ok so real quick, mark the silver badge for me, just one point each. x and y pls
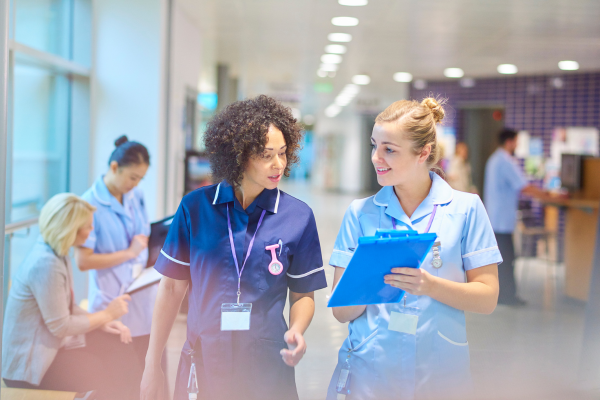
(436, 262)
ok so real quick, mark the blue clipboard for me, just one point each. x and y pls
(375, 256)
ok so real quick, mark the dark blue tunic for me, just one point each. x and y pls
(240, 364)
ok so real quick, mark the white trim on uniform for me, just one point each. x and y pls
(480, 251)
(277, 202)
(452, 341)
(216, 194)
(98, 198)
(306, 274)
(346, 253)
(378, 203)
(173, 259)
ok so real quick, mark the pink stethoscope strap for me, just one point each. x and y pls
(275, 267)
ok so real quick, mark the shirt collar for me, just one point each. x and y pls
(267, 200)
(104, 197)
(440, 194)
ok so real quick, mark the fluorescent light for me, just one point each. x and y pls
(353, 3)
(507, 69)
(350, 88)
(453, 73)
(420, 84)
(322, 73)
(339, 37)
(335, 49)
(328, 67)
(568, 65)
(403, 77)
(331, 59)
(332, 110)
(361, 79)
(344, 21)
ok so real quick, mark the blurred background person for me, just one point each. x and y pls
(49, 342)
(459, 170)
(504, 183)
(116, 251)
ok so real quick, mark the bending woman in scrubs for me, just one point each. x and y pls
(116, 250)
(417, 348)
(238, 246)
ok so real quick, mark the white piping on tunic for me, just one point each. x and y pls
(173, 259)
(98, 198)
(306, 274)
(452, 341)
(480, 251)
(217, 194)
(277, 202)
(346, 253)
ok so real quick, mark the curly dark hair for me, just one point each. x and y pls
(240, 131)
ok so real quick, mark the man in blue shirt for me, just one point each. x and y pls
(504, 182)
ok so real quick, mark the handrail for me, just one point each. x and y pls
(17, 226)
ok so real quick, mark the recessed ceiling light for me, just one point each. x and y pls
(420, 84)
(403, 77)
(361, 79)
(333, 110)
(507, 69)
(353, 3)
(339, 37)
(331, 59)
(344, 21)
(328, 67)
(322, 73)
(453, 73)
(568, 65)
(335, 49)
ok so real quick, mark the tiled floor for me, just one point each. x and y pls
(526, 353)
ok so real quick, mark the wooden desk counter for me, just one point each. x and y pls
(27, 394)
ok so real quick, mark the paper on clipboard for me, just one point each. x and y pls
(375, 256)
(148, 277)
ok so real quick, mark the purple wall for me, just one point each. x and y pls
(531, 103)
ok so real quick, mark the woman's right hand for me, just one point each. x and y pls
(152, 387)
(119, 306)
(138, 244)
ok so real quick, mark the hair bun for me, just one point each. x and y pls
(121, 140)
(436, 108)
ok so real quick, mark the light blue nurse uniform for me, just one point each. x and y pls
(387, 364)
(115, 224)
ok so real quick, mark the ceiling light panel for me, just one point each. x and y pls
(568, 65)
(507, 69)
(361, 79)
(335, 49)
(333, 110)
(344, 21)
(353, 3)
(453, 73)
(339, 37)
(331, 59)
(403, 77)
(328, 67)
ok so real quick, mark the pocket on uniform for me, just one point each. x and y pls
(274, 379)
(453, 370)
(267, 279)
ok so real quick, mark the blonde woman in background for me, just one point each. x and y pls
(459, 170)
(49, 342)
(418, 347)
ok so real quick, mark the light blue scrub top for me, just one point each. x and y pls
(503, 184)
(115, 224)
(387, 364)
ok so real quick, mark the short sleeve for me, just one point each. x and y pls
(174, 258)
(306, 273)
(90, 243)
(347, 239)
(514, 176)
(479, 247)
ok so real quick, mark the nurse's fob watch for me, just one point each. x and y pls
(275, 267)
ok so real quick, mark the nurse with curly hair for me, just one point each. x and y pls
(238, 246)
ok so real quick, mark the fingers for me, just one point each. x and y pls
(126, 297)
(407, 271)
(112, 330)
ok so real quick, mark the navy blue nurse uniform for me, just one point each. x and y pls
(240, 364)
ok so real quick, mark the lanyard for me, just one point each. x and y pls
(237, 267)
(428, 224)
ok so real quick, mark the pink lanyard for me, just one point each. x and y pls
(237, 267)
(428, 225)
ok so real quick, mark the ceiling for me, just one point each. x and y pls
(279, 42)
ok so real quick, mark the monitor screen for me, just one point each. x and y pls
(570, 171)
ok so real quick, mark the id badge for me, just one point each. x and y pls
(235, 317)
(405, 321)
(136, 270)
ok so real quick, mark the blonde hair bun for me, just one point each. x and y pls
(436, 107)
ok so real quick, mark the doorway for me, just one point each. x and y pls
(480, 127)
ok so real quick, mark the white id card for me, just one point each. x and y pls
(235, 317)
(403, 323)
(136, 270)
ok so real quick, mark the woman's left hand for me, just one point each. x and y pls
(415, 281)
(117, 328)
(296, 348)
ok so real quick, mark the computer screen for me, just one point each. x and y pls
(570, 171)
